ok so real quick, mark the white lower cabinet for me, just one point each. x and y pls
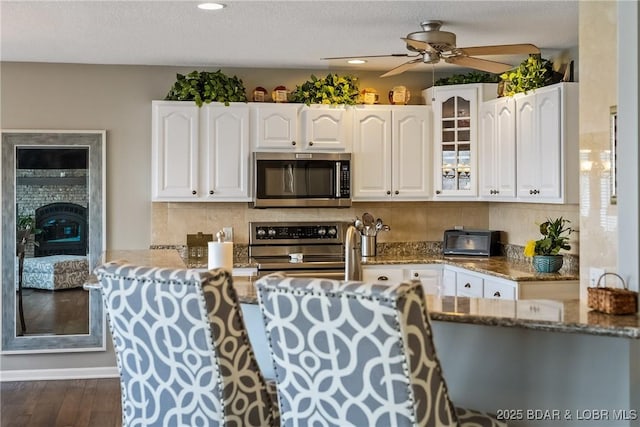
(383, 274)
(473, 284)
(449, 280)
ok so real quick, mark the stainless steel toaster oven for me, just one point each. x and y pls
(471, 242)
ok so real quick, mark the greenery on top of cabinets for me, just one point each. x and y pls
(206, 87)
(532, 73)
(471, 77)
(333, 89)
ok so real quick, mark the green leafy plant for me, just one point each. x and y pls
(471, 77)
(332, 89)
(25, 228)
(555, 237)
(532, 73)
(205, 87)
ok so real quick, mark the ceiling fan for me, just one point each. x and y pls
(432, 45)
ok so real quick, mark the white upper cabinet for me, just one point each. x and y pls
(391, 153)
(175, 150)
(497, 150)
(200, 154)
(325, 128)
(547, 144)
(274, 126)
(225, 139)
(296, 127)
(455, 111)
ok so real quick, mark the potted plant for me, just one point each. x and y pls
(545, 251)
(470, 77)
(532, 73)
(332, 89)
(206, 87)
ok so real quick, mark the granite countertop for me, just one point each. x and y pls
(570, 316)
(543, 315)
(498, 266)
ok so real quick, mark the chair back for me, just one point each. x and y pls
(182, 349)
(353, 353)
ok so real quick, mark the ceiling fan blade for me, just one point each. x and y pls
(504, 49)
(402, 68)
(372, 56)
(419, 45)
(479, 64)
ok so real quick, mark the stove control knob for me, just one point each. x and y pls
(260, 232)
(322, 231)
(271, 232)
(332, 231)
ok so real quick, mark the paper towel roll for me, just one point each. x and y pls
(221, 255)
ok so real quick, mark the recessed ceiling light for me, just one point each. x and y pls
(211, 6)
(356, 61)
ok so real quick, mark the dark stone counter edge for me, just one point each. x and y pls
(538, 325)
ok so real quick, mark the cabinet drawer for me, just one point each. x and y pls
(382, 275)
(499, 290)
(468, 285)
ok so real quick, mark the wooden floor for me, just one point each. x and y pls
(62, 312)
(61, 403)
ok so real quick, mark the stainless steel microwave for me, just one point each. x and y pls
(302, 180)
(471, 242)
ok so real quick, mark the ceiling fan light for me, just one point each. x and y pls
(211, 6)
(356, 61)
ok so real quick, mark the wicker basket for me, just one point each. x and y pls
(612, 300)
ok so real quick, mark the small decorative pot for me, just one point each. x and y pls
(547, 263)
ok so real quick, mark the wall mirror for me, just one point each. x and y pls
(53, 236)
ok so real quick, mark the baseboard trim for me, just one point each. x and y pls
(59, 374)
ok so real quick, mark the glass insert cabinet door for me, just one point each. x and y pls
(455, 142)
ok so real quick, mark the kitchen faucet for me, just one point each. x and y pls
(352, 267)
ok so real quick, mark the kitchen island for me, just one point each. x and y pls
(536, 362)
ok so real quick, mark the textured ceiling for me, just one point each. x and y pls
(269, 34)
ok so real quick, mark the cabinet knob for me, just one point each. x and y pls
(194, 192)
(310, 143)
(388, 192)
(397, 192)
(438, 191)
(383, 278)
(210, 191)
(497, 294)
(293, 143)
(467, 285)
(415, 274)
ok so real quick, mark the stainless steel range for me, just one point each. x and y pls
(310, 249)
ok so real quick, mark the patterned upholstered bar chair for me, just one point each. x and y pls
(182, 349)
(356, 354)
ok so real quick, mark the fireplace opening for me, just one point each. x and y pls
(63, 229)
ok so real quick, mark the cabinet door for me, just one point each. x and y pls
(411, 153)
(539, 139)
(225, 142)
(430, 277)
(382, 275)
(372, 155)
(448, 282)
(325, 128)
(455, 128)
(275, 126)
(174, 150)
(497, 150)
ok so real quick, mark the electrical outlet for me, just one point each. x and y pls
(228, 234)
(594, 275)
